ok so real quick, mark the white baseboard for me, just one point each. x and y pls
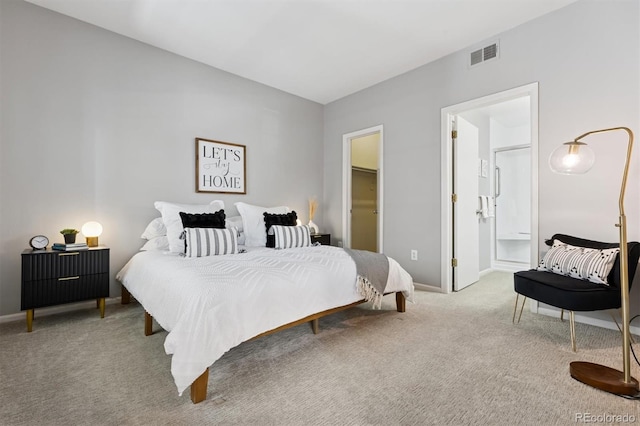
(583, 319)
(486, 271)
(51, 310)
(427, 287)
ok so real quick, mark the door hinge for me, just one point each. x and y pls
(454, 198)
(454, 262)
(454, 134)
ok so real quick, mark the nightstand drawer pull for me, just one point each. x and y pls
(69, 254)
(68, 278)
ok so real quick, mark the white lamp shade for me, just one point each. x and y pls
(91, 229)
(572, 158)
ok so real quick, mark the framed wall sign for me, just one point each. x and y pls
(220, 167)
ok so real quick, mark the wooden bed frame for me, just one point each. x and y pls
(199, 385)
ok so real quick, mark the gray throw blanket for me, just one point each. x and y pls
(372, 270)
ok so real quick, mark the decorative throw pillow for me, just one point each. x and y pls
(579, 262)
(203, 220)
(285, 219)
(291, 236)
(154, 229)
(253, 222)
(171, 218)
(210, 241)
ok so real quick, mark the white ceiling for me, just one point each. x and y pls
(321, 50)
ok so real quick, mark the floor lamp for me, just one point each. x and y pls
(573, 158)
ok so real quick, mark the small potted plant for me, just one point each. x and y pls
(69, 235)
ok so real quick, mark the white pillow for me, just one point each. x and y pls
(210, 241)
(156, 244)
(253, 222)
(236, 222)
(171, 218)
(291, 236)
(232, 221)
(154, 229)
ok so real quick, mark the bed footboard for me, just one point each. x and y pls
(199, 385)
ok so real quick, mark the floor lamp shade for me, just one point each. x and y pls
(575, 158)
(572, 158)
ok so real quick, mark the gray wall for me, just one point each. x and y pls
(586, 60)
(96, 126)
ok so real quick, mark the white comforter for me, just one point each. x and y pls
(211, 304)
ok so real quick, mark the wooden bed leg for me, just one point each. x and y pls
(125, 296)
(148, 324)
(314, 325)
(400, 302)
(199, 387)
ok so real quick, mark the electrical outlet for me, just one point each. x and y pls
(414, 254)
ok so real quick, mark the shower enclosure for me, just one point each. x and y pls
(512, 196)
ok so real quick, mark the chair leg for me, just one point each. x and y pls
(562, 315)
(572, 326)
(515, 308)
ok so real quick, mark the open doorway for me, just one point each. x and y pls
(503, 214)
(362, 189)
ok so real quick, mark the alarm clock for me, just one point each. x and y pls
(39, 242)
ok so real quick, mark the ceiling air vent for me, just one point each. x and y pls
(476, 57)
(484, 54)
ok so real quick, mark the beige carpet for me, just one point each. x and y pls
(450, 359)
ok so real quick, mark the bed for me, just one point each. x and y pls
(211, 304)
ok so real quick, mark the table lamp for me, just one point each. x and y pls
(91, 231)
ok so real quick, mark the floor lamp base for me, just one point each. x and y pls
(604, 378)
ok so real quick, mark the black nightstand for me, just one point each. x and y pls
(52, 277)
(324, 239)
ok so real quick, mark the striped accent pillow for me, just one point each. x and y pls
(210, 241)
(579, 262)
(291, 236)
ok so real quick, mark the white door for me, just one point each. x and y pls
(465, 219)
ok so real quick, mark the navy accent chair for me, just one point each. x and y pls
(573, 294)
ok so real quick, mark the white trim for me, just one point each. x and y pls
(446, 187)
(346, 183)
(486, 271)
(583, 319)
(427, 287)
(52, 310)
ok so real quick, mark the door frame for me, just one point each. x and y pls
(346, 183)
(446, 173)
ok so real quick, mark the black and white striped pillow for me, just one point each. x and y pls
(291, 236)
(210, 241)
(579, 262)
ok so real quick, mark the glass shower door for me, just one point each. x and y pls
(513, 204)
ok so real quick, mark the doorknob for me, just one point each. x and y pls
(375, 212)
